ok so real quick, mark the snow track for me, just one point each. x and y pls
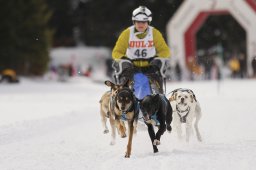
(35, 128)
(54, 126)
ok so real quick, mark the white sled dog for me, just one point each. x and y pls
(186, 109)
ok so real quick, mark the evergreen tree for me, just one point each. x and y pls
(25, 37)
(62, 21)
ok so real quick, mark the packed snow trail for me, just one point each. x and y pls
(56, 126)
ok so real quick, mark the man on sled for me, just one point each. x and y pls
(141, 53)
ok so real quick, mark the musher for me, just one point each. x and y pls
(141, 48)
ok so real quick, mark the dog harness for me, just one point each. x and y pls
(183, 119)
(154, 116)
(155, 119)
(136, 111)
(123, 115)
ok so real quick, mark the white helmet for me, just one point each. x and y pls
(142, 13)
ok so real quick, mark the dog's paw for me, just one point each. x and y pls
(123, 135)
(199, 138)
(156, 142)
(127, 155)
(105, 131)
(169, 129)
(112, 143)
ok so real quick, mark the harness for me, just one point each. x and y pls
(155, 119)
(124, 113)
(183, 119)
(154, 116)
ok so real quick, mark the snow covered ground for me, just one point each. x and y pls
(56, 126)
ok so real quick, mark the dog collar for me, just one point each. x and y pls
(123, 115)
(128, 110)
(154, 117)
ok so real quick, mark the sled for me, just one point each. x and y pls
(141, 83)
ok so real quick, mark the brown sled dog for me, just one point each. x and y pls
(123, 107)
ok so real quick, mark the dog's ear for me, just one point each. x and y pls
(171, 98)
(194, 97)
(156, 98)
(191, 98)
(109, 83)
(193, 94)
(175, 96)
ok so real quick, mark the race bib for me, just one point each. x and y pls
(141, 48)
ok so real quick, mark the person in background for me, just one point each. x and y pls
(254, 66)
(9, 75)
(88, 72)
(242, 63)
(178, 71)
(141, 44)
(234, 66)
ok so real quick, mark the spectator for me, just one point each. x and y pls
(88, 72)
(178, 71)
(234, 67)
(242, 63)
(254, 66)
(9, 76)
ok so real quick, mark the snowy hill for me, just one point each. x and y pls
(56, 126)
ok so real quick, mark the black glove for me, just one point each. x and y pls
(155, 63)
(152, 59)
(125, 58)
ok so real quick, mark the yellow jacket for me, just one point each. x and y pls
(234, 64)
(162, 50)
(9, 72)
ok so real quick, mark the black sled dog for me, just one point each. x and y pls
(156, 110)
